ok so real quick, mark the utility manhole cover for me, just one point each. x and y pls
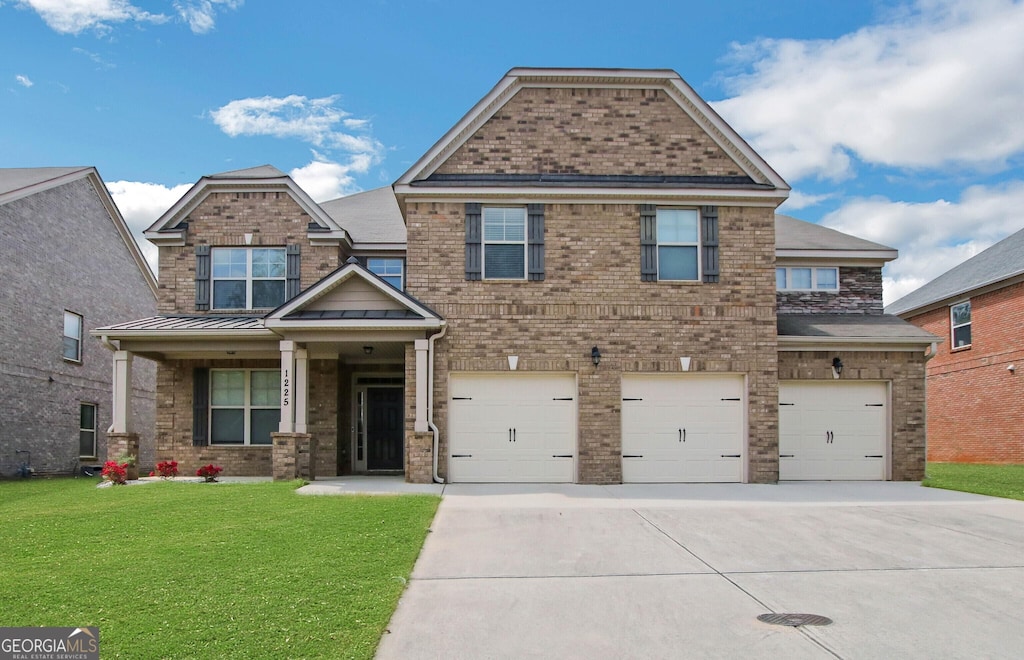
(795, 619)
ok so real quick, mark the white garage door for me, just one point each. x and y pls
(832, 431)
(680, 427)
(512, 427)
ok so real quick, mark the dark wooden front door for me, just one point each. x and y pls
(384, 428)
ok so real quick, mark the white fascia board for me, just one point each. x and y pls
(789, 343)
(123, 230)
(876, 255)
(524, 194)
(40, 186)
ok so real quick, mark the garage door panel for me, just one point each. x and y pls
(682, 428)
(832, 430)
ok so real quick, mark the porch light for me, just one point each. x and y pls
(837, 367)
(595, 355)
(368, 350)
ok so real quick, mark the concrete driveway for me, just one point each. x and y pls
(683, 571)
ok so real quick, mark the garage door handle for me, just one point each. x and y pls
(462, 398)
(786, 404)
(874, 456)
(786, 455)
(730, 455)
(875, 405)
(462, 455)
(735, 399)
(561, 398)
(561, 456)
(626, 398)
(632, 455)
(682, 435)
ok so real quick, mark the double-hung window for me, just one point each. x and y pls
(87, 430)
(678, 244)
(960, 324)
(805, 278)
(71, 348)
(504, 242)
(388, 269)
(248, 278)
(245, 406)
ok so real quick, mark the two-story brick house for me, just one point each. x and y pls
(574, 284)
(975, 395)
(68, 263)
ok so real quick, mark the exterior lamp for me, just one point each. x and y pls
(595, 355)
(837, 367)
(368, 350)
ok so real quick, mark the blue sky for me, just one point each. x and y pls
(898, 121)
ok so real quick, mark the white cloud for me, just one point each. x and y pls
(76, 16)
(201, 14)
(324, 179)
(937, 85)
(142, 204)
(798, 200)
(23, 80)
(932, 237)
(96, 58)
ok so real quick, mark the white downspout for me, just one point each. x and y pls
(430, 401)
(113, 378)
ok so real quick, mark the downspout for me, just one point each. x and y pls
(113, 348)
(430, 401)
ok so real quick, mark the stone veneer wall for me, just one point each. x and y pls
(174, 420)
(905, 371)
(592, 295)
(860, 292)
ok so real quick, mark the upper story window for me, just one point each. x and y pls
(245, 406)
(504, 243)
(248, 278)
(960, 324)
(72, 343)
(678, 244)
(804, 278)
(388, 269)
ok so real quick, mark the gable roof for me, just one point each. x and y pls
(17, 183)
(995, 267)
(763, 181)
(801, 239)
(169, 230)
(372, 218)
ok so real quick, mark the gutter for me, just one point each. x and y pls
(430, 402)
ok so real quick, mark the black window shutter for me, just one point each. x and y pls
(293, 277)
(709, 242)
(535, 241)
(200, 406)
(474, 264)
(648, 243)
(202, 278)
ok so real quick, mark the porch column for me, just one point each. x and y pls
(287, 387)
(122, 386)
(421, 346)
(301, 389)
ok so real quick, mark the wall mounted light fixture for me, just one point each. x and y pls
(837, 367)
(595, 355)
(368, 350)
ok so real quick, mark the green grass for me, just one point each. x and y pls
(177, 570)
(997, 480)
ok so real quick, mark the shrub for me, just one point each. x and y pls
(209, 472)
(166, 469)
(115, 473)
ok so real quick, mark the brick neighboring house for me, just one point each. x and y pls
(69, 264)
(575, 284)
(975, 391)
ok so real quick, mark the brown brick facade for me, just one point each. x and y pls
(974, 401)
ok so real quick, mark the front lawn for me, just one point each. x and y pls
(997, 480)
(207, 570)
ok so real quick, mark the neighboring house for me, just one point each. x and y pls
(69, 264)
(975, 392)
(575, 284)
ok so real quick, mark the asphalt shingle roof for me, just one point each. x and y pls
(793, 234)
(369, 217)
(999, 262)
(850, 326)
(16, 178)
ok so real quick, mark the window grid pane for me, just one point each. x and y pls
(229, 262)
(71, 344)
(504, 224)
(677, 263)
(505, 262)
(780, 278)
(677, 226)
(227, 388)
(265, 388)
(825, 278)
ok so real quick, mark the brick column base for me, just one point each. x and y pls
(419, 456)
(126, 444)
(293, 456)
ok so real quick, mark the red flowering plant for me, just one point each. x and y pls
(114, 472)
(209, 472)
(166, 469)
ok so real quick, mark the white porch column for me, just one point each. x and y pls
(301, 389)
(122, 403)
(421, 346)
(287, 387)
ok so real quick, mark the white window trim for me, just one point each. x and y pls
(93, 430)
(246, 408)
(484, 243)
(401, 273)
(81, 331)
(248, 279)
(695, 244)
(953, 327)
(814, 278)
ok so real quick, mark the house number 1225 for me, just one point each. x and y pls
(285, 388)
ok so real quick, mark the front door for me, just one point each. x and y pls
(384, 428)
